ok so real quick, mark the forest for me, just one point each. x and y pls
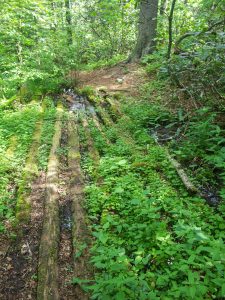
(112, 149)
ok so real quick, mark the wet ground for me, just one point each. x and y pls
(77, 103)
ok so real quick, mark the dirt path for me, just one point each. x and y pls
(123, 78)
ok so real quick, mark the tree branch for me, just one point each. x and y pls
(188, 34)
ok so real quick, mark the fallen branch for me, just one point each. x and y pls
(182, 174)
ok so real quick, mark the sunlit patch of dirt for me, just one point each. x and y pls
(124, 78)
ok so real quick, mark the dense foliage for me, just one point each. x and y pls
(153, 240)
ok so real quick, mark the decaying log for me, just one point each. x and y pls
(79, 226)
(115, 107)
(30, 170)
(97, 124)
(48, 251)
(94, 155)
(77, 178)
(104, 116)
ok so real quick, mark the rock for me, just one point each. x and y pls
(24, 249)
(9, 267)
(120, 80)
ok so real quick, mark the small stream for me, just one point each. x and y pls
(78, 103)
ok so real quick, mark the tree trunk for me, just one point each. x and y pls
(171, 29)
(69, 22)
(147, 29)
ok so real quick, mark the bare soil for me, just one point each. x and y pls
(123, 78)
(18, 264)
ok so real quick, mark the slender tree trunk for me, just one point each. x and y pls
(69, 22)
(122, 26)
(147, 29)
(171, 29)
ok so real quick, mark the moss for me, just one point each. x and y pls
(114, 108)
(23, 210)
(87, 91)
(12, 146)
(104, 116)
(30, 170)
(94, 155)
(8, 102)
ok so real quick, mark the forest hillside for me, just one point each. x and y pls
(112, 149)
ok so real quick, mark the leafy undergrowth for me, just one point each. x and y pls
(17, 127)
(152, 239)
(197, 139)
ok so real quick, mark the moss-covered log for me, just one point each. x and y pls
(79, 228)
(104, 116)
(48, 251)
(114, 107)
(77, 178)
(29, 172)
(99, 127)
(93, 153)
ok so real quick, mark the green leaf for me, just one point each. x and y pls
(120, 296)
(119, 190)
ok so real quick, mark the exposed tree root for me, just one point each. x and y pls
(48, 251)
